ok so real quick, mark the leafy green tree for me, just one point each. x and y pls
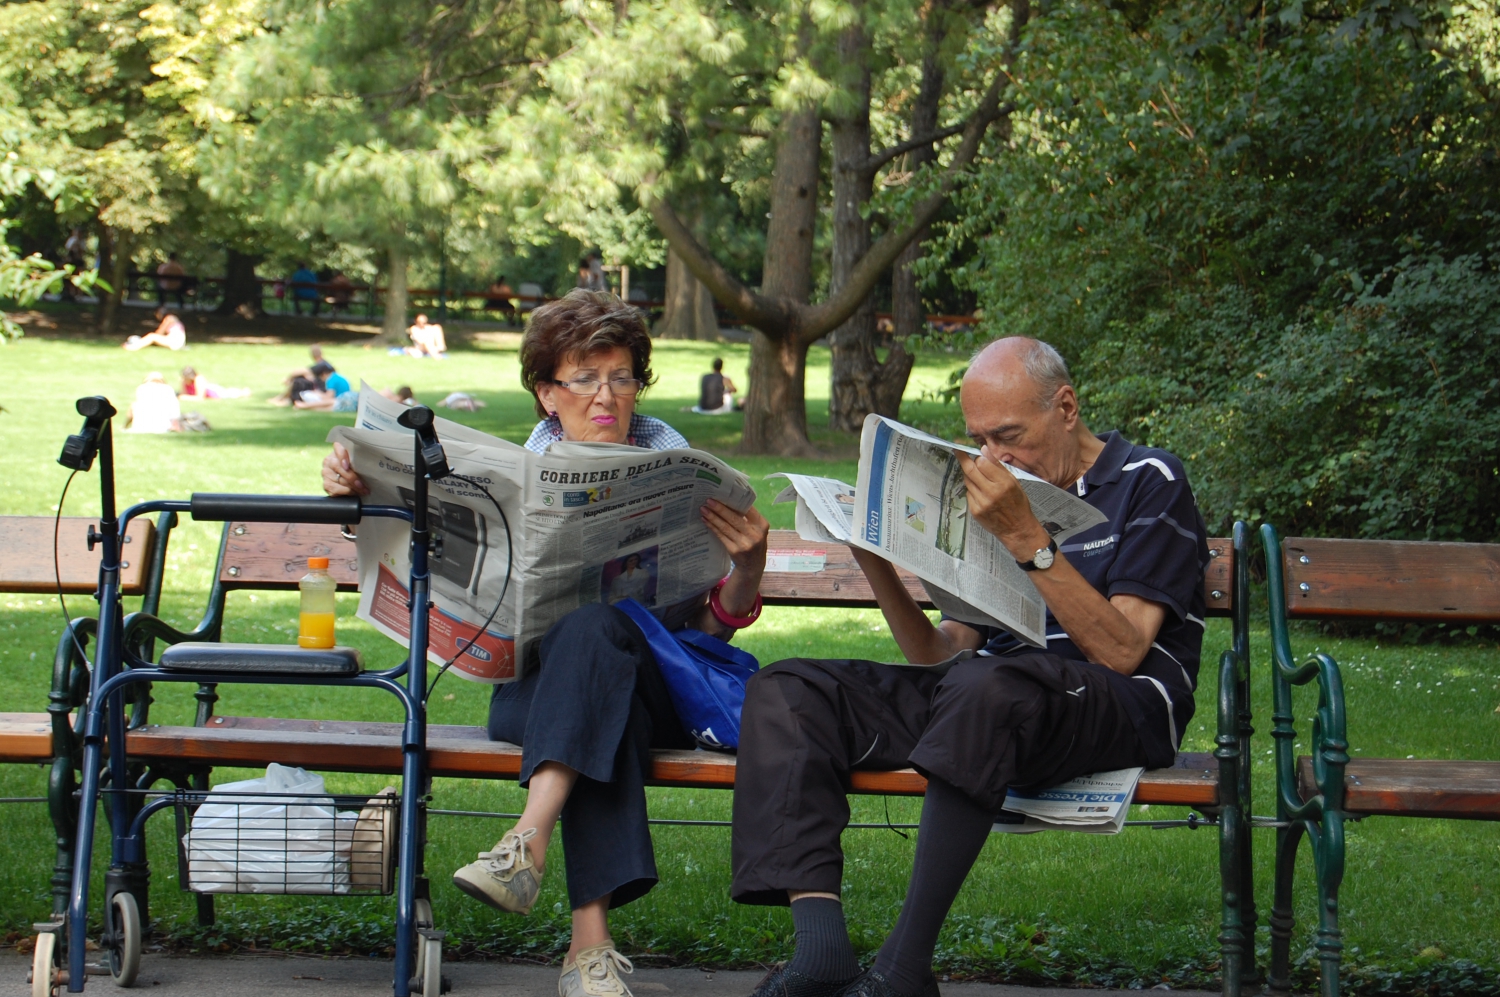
(76, 91)
(656, 105)
(1266, 241)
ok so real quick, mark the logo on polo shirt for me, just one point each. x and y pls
(1094, 546)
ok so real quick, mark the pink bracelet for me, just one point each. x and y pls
(722, 615)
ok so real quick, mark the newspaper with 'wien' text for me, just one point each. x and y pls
(910, 506)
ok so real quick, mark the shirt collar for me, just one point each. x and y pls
(1107, 468)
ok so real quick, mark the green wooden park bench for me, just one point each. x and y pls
(270, 556)
(1378, 580)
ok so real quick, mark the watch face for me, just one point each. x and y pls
(1044, 558)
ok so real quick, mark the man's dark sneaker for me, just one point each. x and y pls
(872, 984)
(784, 982)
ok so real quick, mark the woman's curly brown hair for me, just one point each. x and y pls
(579, 324)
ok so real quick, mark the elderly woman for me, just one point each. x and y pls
(593, 702)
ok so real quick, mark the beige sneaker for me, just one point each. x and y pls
(595, 972)
(505, 878)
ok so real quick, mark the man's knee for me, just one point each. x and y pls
(986, 687)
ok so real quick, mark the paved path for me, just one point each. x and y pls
(244, 976)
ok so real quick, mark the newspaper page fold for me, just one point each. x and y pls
(578, 524)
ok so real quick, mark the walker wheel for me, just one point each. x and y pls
(422, 918)
(432, 968)
(44, 965)
(123, 939)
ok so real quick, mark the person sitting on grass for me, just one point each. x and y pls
(715, 392)
(170, 332)
(427, 339)
(305, 379)
(1112, 689)
(195, 385)
(334, 396)
(593, 699)
(155, 409)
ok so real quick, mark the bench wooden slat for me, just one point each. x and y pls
(26, 555)
(1392, 579)
(1414, 787)
(25, 738)
(274, 555)
(467, 752)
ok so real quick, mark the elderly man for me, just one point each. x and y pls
(1112, 689)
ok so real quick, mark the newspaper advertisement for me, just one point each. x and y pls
(1095, 803)
(911, 507)
(536, 534)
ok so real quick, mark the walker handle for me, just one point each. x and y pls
(221, 507)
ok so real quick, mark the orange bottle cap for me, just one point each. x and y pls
(317, 562)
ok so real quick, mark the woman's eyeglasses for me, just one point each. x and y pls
(589, 386)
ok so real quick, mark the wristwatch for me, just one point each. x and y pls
(1043, 559)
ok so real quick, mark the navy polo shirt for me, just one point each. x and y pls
(1154, 546)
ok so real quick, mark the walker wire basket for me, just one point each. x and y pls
(324, 845)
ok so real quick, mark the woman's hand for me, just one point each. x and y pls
(339, 478)
(744, 535)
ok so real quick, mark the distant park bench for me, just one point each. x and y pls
(1370, 580)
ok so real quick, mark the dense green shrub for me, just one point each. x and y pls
(1266, 241)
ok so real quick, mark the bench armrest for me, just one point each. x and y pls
(1330, 739)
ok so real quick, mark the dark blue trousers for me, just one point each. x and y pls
(594, 700)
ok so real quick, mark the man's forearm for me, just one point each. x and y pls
(1092, 622)
(919, 640)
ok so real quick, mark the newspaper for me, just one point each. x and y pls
(582, 523)
(1095, 804)
(911, 507)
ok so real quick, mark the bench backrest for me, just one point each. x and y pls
(798, 573)
(26, 555)
(1391, 580)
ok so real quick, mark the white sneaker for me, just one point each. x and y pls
(595, 972)
(505, 878)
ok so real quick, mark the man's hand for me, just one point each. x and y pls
(999, 505)
(339, 477)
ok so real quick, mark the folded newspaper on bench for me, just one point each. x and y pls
(910, 506)
(1094, 803)
(582, 523)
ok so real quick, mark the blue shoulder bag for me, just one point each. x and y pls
(705, 676)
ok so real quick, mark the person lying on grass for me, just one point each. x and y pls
(1113, 688)
(593, 700)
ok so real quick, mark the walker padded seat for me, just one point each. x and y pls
(261, 659)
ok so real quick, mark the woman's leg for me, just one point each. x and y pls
(551, 784)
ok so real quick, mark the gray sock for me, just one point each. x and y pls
(824, 952)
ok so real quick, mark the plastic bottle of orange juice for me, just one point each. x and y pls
(316, 625)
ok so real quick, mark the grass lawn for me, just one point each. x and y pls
(1419, 896)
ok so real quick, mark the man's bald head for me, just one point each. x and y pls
(1017, 359)
(1019, 404)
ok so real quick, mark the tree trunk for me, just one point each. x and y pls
(114, 249)
(853, 183)
(396, 302)
(861, 383)
(241, 287)
(776, 402)
(689, 311)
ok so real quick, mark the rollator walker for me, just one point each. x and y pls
(61, 945)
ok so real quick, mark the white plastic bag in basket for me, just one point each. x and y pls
(272, 844)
